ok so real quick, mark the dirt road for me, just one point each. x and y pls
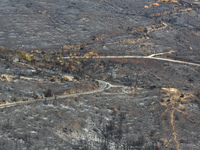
(103, 86)
(136, 57)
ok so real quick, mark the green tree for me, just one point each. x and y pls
(60, 58)
(4, 53)
(22, 55)
(45, 59)
(53, 60)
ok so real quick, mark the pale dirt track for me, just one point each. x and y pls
(104, 85)
(138, 57)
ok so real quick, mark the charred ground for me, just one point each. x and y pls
(152, 104)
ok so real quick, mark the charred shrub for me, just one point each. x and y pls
(48, 93)
(15, 99)
(35, 96)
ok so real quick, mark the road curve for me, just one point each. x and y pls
(103, 86)
(144, 57)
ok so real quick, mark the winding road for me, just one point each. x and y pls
(103, 85)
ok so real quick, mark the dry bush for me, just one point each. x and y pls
(64, 79)
(172, 1)
(25, 99)
(15, 99)
(53, 79)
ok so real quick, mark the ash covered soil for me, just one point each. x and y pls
(152, 104)
(118, 118)
(108, 27)
(19, 82)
